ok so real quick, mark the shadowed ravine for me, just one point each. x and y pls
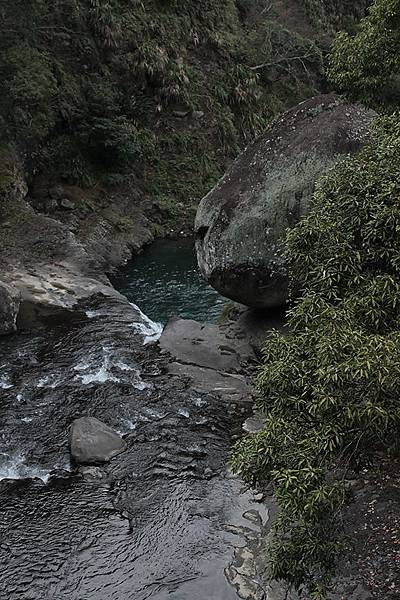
(162, 520)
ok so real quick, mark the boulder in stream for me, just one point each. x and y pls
(93, 442)
(241, 224)
(9, 307)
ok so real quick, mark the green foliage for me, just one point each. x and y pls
(92, 87)
(8, 172)
(239, 90)
(30, 89)
(286, 63)
(226, 313)
(367, 65)
(103, 17)
(69, 158)
(329, 388)
(119, 141)
(334, 14)
(169, 176)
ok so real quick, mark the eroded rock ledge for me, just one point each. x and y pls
(51, 264)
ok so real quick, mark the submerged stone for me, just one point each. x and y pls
(93, 442)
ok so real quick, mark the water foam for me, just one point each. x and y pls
(48, 381)
(184, 413)
(27, 419)
(150, 330)
(92, 314)
(15, 467)
(5, 383)
(93, 372)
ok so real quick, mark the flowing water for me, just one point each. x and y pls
(162, 519)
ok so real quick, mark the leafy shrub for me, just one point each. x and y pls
(335, 14)
(118, 140)
(70, 159)
(30, 88)
(285, 62)
(364, 64)
(329, 388)
(103, 17)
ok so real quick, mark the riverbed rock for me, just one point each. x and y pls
(216, 358)
(9, 307)
(205, 345)
(93, 442)
(241, 224)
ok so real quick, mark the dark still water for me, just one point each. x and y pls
(165, 281)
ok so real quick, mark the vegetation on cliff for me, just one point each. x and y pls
(329, 388)
(156, 95)
(367, 65)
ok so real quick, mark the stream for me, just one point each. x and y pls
(162, 520)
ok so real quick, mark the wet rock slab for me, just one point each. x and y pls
(214, 362)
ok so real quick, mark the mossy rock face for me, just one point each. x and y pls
(241, 224)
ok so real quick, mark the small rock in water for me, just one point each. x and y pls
(208, 473)
(181, 113)
(244, 562)
(253, 424)
(253, 516)
(93, 442)
(246, 587)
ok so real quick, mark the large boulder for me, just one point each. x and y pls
(9, 307)
(93, 442)
(240, 225)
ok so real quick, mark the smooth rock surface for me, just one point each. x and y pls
(219, 359)
(54, 291)
(93, 442)
(205, 345)
(213, 357)
(241, 224)
(9, 306)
